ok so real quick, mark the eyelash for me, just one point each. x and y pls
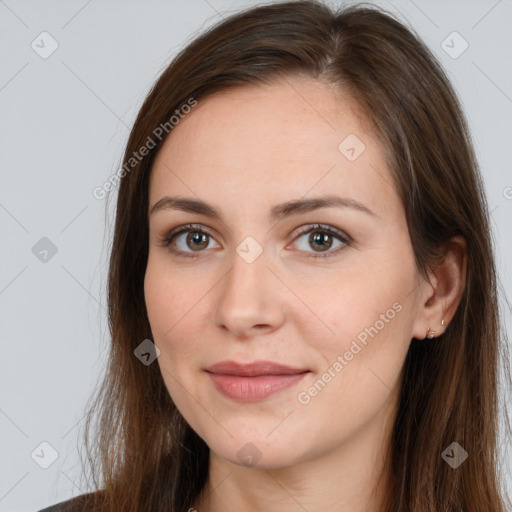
(196, 228)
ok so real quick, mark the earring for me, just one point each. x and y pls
(442, 322)
(430, 333)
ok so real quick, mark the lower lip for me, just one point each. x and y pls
(253, 389)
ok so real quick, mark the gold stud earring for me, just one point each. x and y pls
(430, 333)
(442, 322)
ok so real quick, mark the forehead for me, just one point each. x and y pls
(273, 142)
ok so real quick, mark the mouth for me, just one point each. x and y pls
(255, 381)
(254, 369)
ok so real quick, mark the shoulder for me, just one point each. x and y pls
(81, 503)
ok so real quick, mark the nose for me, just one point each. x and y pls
(250, 300)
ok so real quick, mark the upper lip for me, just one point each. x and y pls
(253, 369)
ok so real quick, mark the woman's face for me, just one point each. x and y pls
(262, 282)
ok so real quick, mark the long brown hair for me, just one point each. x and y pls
(143, 455)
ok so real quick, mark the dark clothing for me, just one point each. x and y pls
(77, 504)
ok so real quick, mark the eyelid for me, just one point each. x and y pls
(322, 227)
(335, 232)
(168, 238)
(184, 228)
(347, 240)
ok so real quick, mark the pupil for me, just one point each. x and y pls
(317, 239)
(198, 239)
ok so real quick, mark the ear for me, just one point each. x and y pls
(439, 300)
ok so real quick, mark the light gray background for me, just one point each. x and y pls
(63, 125)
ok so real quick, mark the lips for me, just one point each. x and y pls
(255, 381)
(253, 369)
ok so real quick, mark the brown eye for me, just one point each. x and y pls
(187, 240)
(321, 239)
(197, 240)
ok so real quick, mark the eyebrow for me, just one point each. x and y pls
(278, 212)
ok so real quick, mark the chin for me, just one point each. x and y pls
(257, 452)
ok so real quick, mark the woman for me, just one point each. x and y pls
(302, 282)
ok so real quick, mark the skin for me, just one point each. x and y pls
(244, 151)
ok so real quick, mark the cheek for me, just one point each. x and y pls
(178, 307)
(359, 362)
(169, 293)
(172, 305)
(169, 303)
(363, 316)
